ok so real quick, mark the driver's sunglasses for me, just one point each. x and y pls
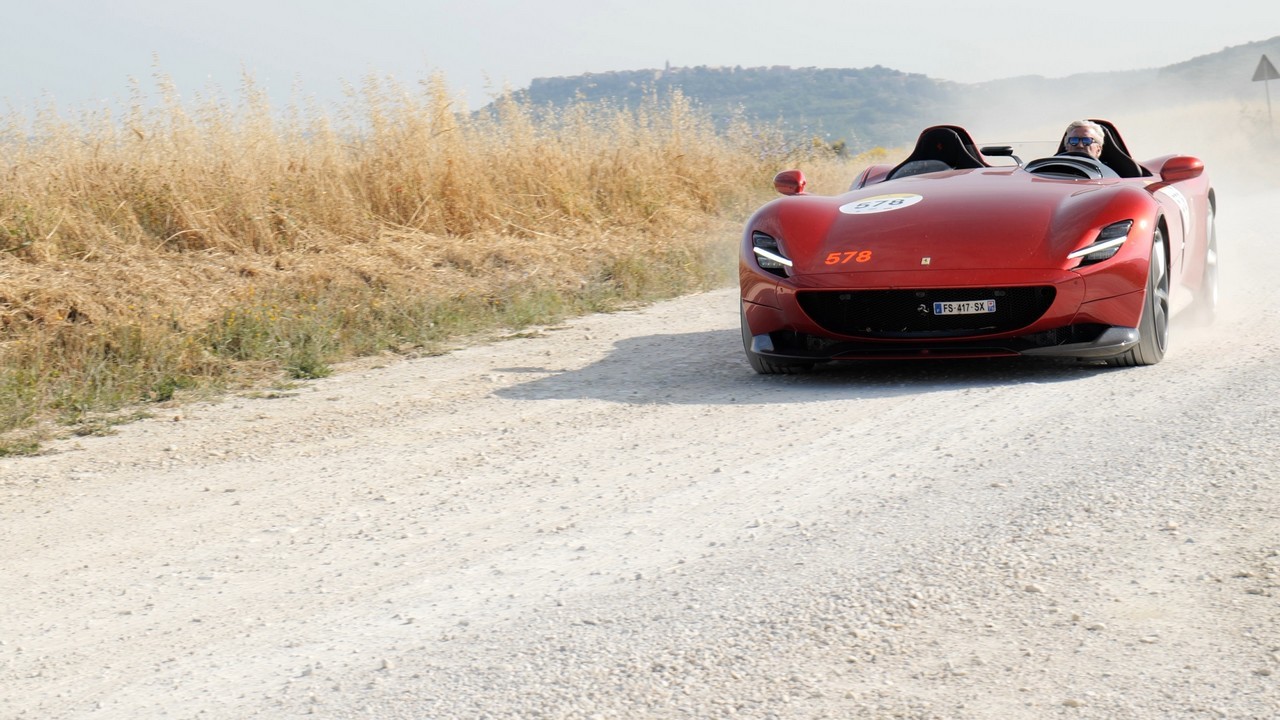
(1085, 141)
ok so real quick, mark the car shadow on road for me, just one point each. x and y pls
(710, 368)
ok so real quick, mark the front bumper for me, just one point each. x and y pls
(1084, 341)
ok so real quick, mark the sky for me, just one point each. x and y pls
(80, 54)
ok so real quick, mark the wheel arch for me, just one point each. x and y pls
(1162, 224)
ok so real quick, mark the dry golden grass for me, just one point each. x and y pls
(181, 249)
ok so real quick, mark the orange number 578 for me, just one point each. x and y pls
(840, 258)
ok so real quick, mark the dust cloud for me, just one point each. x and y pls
(1230, 125)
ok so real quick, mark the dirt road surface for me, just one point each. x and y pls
(616, 518)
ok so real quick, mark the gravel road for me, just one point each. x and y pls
(616, 518)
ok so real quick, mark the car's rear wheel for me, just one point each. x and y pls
(1206, 304)
(1153, 327)
(764, 365)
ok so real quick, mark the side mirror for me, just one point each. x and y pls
(790, 182)
(1181, 167)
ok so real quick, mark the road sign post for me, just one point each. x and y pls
(1265, 73)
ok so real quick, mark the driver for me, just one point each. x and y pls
(1083, 137)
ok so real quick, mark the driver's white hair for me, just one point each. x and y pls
(1094, 129)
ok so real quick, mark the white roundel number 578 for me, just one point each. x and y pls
(880, 203)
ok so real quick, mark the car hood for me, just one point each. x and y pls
(967, 219)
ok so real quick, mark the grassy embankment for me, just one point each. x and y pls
(183, 251)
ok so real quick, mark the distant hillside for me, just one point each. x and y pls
(865, 107)
(1221, 72)
(878, 106)
(1224, 75)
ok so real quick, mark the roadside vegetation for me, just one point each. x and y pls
(183, 250)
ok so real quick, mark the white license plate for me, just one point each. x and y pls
(964, 307)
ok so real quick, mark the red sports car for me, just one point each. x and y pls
(960, 252)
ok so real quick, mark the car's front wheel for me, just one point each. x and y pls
(1153, 327)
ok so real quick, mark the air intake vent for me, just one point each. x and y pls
(910, 313)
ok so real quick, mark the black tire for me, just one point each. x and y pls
(1153, 327)
(763, 365)
(1206, 302)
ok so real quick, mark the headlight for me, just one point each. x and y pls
(768, 256)
(1107, 244)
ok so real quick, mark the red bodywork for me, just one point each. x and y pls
(991, 227)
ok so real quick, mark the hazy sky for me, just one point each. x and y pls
(80, 53)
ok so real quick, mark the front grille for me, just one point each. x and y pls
(909, 313)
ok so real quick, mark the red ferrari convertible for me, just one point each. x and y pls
(966, 252)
